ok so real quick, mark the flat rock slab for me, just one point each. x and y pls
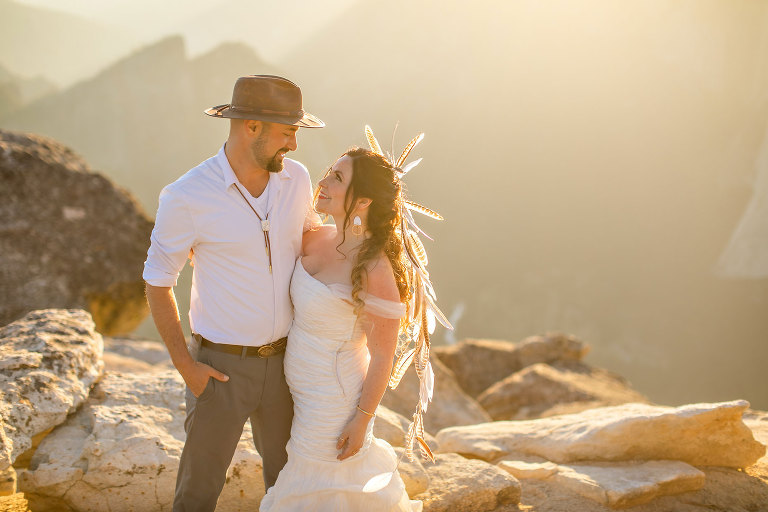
(724, 490)
(456, 483)
(478, 364)
(523, 470)
(699, 434)
(621, 485)
(120, 452)
(48, 362)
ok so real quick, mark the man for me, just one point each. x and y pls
(242, 213)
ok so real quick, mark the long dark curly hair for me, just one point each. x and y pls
(375, 178)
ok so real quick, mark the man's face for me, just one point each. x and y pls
(271, 145)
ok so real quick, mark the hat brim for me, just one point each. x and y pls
(305, 121)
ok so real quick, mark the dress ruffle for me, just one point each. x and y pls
(308, 484)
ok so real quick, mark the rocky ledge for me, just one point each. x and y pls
(119, 450)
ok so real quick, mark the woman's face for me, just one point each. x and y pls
(333, 188)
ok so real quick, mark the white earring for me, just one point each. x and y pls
(357, 226)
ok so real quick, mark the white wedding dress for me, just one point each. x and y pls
(325, 363)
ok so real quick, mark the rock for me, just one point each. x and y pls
(726, 490)
(456, 483)
(699, 434)
(124, 364)
(414, 475)
(70, 237)
(620, 485)
(757, 421)
(450, 405)
(14, 503)
(523, 470)
(48, 362)
(478, 364)
(723, 488)
(131, 355)
(391, 427)
(120, 452)
(23, 460)
(7, 481)
(147, 351)
(541, 390)
(6, 445)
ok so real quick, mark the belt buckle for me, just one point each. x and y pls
(265, 350)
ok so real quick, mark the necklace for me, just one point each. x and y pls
(264, 228)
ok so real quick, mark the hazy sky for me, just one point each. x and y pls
(149, 20)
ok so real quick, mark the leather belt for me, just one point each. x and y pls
(267, 350)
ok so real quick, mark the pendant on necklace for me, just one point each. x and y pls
(265, 225)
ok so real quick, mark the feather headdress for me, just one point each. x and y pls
(413, 342)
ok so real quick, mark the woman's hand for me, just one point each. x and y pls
(351, 439)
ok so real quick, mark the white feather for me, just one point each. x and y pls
(438, 314)
(378, 482)
(410, 166)
(412, 223)
(431, 323)
(426, 387)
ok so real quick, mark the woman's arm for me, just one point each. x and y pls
(381, 334)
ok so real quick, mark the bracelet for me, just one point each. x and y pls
(365, 412)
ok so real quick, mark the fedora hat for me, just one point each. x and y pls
(266, 98)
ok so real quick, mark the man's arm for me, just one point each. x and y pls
(165, 313)
(171, 240)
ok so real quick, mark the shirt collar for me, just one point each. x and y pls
(229, 175)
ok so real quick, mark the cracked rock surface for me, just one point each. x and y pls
(121, 452)
(49, 360)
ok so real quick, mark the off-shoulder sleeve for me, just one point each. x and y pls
(373, 305)
(383, 308)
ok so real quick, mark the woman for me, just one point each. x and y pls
(350, 290)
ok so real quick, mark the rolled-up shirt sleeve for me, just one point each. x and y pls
(172, 238)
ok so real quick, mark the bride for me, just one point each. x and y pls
(356, 286)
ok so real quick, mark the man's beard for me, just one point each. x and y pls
(271, 164)
(274, 165)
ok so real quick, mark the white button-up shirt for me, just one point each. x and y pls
(235, 299)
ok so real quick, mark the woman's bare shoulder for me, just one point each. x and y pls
(381, 279)
(316, 236)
